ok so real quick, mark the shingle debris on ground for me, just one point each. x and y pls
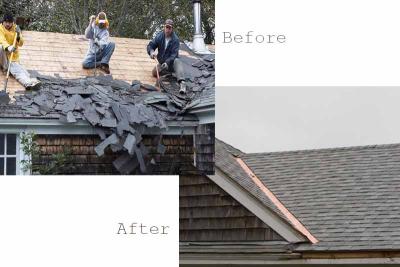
(117, 109)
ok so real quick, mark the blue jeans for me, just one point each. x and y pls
(102, 57)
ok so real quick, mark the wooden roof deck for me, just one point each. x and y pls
(62, 54)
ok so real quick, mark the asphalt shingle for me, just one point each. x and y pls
(348, 198)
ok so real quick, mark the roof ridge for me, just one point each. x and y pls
(344, 148)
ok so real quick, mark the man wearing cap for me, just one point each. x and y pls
(100, 47)
(167, 44)
(8, 32)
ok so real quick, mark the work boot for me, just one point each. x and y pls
(34, 85)
(182, 90)
(105, 68)
(163, 67)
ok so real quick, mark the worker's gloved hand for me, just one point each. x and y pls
(152, 54)
(164, 66)
(11, 48)
(92, 18)
(97, 42)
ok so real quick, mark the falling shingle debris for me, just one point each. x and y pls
(111, 140)
(120, 112)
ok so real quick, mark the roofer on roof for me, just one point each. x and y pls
(8, 32)
(99, 44)
(167, 44)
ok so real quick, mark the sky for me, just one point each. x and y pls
(267, 119)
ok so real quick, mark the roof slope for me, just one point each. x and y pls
(225, 160)
(63, 54)
(349, 198)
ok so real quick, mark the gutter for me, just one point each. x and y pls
(201, 109)
(54, 126)
(247, 261)
(206, 115)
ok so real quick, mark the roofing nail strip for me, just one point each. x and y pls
(295, 222)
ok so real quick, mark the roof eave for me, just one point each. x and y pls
(54, 126)
(205, 114)
(277, 259)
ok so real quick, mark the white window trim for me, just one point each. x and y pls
(17, 156)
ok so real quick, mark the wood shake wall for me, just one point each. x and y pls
(178, 156)
(205, 148)
(208, 213)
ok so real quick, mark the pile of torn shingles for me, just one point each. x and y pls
(120, 111)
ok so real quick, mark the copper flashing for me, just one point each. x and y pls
(291, 218)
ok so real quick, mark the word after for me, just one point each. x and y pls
(142, 229)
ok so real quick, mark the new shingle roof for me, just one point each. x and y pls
(348, 198)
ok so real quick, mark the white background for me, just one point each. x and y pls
(72, 221)
(329, 42)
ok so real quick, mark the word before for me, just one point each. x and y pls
(250, 38)
(142, 229)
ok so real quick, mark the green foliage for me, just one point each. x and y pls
(30, 149)
(56, 165)
(128, 18)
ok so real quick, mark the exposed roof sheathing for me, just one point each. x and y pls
(58, 53)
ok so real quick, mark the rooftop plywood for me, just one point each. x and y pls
(57, 53)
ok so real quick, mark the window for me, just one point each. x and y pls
(8, 154)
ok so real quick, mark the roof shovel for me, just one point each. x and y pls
(4, 97)
(95, 52)
(158, 75)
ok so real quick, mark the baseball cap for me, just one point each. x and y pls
(169, 22)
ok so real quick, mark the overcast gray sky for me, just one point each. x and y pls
(265, 119)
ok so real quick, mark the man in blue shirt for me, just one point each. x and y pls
(167, 44)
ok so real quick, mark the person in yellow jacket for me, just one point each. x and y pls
(8, 31)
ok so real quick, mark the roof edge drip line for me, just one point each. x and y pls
(295, 222)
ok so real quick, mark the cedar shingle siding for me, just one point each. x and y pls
(179, 154)
(208, 213)
(205, 148)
